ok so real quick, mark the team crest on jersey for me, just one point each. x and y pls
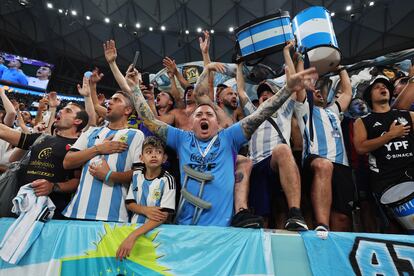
(123, 138)
(45, 153)
(156, 194)
(402, 120)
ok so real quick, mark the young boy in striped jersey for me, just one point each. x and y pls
(151, 195)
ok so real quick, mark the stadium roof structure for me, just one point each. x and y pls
(70, 33)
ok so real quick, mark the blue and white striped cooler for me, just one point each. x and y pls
(264, 36)
(400, 199)
(315, 33)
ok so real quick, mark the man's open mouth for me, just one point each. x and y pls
(204, 125)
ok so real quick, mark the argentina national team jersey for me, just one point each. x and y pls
(95, 200)
(327, 133)
(159, 192)
(265, 138)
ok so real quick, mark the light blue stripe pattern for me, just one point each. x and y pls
(117, 197)
(91, 143)
(276, 23)
(96, 189)
(309, 14)
(320, 133)
(266, 43)
(338, 140)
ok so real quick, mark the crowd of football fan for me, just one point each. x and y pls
(290, 160)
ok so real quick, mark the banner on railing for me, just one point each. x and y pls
(360, 254)
(89, 248)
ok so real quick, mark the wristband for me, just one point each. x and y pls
(107, 176)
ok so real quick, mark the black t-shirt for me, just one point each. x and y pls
(390, 162)
(46, 162)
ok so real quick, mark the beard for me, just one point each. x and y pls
(230, 105)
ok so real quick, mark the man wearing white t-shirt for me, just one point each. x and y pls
(106, 154)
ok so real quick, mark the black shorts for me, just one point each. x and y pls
(343, 188)
(264, 186)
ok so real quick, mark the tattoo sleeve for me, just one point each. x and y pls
(265, 110)
(156, 126)
(201, 87)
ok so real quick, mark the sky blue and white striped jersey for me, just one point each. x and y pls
(159, 191)
(265, 138)
(328, 139)
(94, 199)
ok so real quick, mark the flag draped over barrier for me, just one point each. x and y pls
(89, 248)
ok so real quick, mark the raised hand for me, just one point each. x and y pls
(96, 76)
(43, 103)
(289, 45)
(53, 99)
(101, 99)
(84, 90)
(133, 77)
(170, 65)
(110, 51)
(147, 92)
(302, 80)
(204, 43)
(216, 66)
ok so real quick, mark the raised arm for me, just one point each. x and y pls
(150, 121)
(110, 55)
(244, 99)
(286, 55)
(8, 106)
(346, 89)
(294, 82)
(93, 80)
(85, 91)
(202, 91)
(300, 66)
(54, 102)
(171, 67)
(183, 82)
(204, 47)
(9, 135)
